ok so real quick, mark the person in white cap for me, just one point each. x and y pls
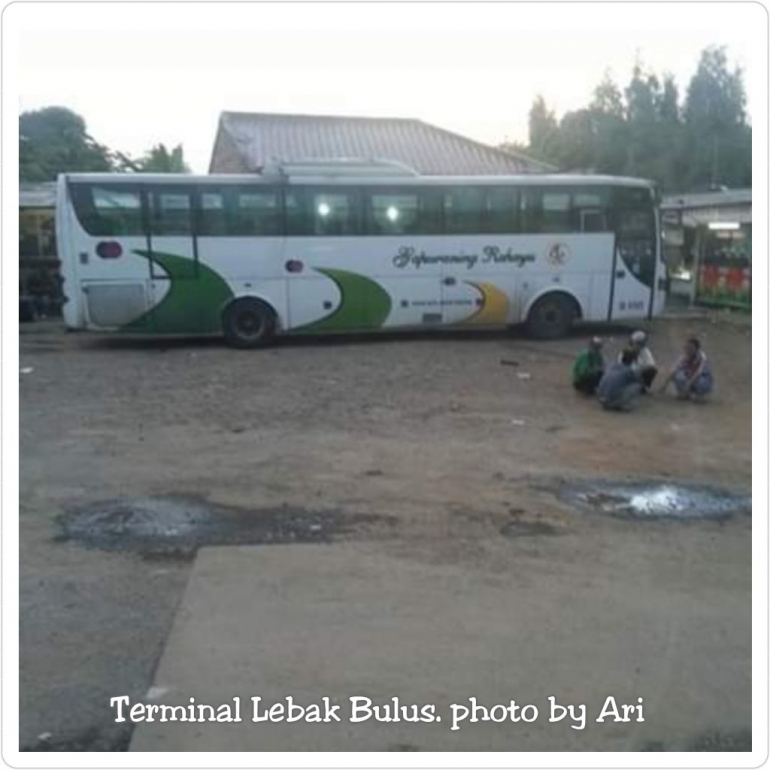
(644, 365)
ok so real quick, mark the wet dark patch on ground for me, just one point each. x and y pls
(175, 527)
(655, 499)
(712, 740)
(515, 522)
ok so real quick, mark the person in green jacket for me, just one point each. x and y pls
(588, 368)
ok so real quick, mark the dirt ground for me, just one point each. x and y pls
(434, 434)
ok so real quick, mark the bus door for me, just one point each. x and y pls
(636, 254)
(177, 299)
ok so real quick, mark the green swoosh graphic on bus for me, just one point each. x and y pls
(364, 304)
(193, 303)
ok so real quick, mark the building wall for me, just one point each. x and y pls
(225, 158)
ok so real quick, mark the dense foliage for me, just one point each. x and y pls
(54, 140)
(645, 129)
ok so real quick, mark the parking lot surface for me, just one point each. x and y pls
(446, 452)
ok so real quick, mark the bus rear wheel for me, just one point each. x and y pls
(248, 323)
(551, 316)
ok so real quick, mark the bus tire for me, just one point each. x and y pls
(248, 323)
(551, 316)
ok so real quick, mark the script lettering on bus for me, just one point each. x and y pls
(408, 255)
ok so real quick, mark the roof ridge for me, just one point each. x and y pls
(314, 116)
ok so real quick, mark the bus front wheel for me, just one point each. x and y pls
(248, 323)
(551, 316)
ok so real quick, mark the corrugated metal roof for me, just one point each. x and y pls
(264, 138)
(37, 195)
(713, 199)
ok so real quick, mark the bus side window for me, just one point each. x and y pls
(500, 210)
(296, 221)
(170, 212)
(530, 202)
(556, 212)
(591, 207)
(212, 219)
(108, 210)
(391, 213)
(429, 221)
(256, 212)
(462, 210)
(321, 211)
(333, 212)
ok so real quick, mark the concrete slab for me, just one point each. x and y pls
(365, 619)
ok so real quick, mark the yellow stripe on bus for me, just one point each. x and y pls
(494, 307)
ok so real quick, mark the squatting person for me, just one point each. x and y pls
(644, 365)
(691, 374)
(588, 368)
(620, 386)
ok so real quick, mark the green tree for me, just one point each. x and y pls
(643, 136)
(607, 98)
(542, 129)
(608, 118)
(643, 130)
(576, 149)
(716, 127)
(54, 140)
(158, 160)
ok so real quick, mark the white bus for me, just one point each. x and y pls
(347, 247)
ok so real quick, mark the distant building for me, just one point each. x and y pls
(247, 142)
(38, 262)
(707, 245)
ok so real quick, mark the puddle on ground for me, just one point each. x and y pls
(176, 526)
(655, 500)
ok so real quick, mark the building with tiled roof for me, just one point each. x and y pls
(246, 142)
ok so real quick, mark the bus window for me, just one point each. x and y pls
(635, 224)
(556, 216)
(212, 220)
(170, 212)
(429, 221)
(529, 210)
(311, 211)
(104, 210)
(633, 197)
(392, 213)
(296, 221)
(462, 210)
(332, 213)
(592, 207)
(256, 212)
(500, 210)
(636, 237)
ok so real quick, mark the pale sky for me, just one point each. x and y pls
(148, 73)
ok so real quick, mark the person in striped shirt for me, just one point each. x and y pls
(691, 374)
